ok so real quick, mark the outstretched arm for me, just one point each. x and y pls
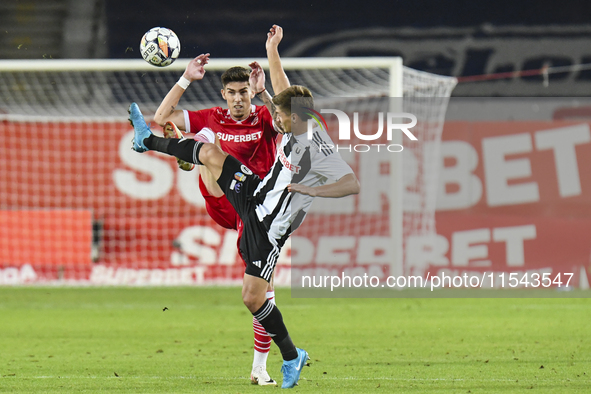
(345, 186)
(279, 79)
(167, 110)
(257, 84)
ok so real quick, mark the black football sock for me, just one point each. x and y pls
(270, 318)
(187, 150)
(158, 144)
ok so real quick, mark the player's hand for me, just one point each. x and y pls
(298, 188)
(274, 37)
(257, 77)
(195, 70)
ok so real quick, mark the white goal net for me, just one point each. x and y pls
(78, 206)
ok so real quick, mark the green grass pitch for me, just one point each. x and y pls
(60, 340)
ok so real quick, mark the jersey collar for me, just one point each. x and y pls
(252, 111)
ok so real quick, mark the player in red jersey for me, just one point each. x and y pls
(243, 130)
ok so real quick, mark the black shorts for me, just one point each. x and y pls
(258, 251)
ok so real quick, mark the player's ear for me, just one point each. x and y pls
(223, 94)
(294, 117)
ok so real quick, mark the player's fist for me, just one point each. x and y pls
(274, 37)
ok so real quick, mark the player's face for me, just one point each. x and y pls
(238, 96)
(284, 120)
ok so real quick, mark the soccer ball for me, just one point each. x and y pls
(160, 46)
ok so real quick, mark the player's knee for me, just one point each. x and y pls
(209, 153)
(253, 301)
(210, 150)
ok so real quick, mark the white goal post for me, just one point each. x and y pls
(56, 103)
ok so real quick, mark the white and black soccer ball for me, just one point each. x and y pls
(160, 46)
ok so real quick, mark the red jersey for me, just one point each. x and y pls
(252, 140)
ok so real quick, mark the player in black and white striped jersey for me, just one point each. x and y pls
(271, 208)
(301, 165)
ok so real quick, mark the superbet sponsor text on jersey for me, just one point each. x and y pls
(252, 140)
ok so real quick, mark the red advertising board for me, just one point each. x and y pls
(510, 196)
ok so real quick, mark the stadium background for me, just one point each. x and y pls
(467, 36)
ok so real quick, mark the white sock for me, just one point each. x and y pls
(205, 135)
(260, 359)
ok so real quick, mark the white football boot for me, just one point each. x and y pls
(260, 376)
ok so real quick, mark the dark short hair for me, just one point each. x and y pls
(235, 74)
(303, 99)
